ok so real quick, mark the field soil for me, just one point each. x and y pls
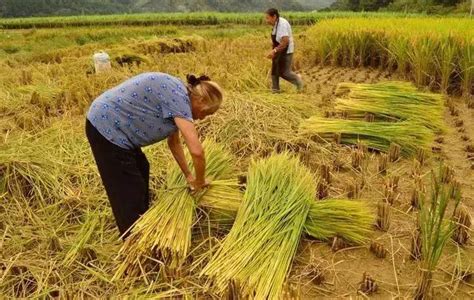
(396, 275)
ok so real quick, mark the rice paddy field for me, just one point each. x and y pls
(362, 186)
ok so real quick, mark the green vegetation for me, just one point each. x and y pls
(409, 135)
(195, 18)
(436, 228)
(347, 219)
(426, 6)
(27, 8)
(431, 52)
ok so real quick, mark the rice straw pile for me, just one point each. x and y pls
(410, 135)
(350, 220)
(164, 231)
(256, 123)
(391, 101)
(259, 249)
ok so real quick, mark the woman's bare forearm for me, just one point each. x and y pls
(285, 41)
(196, 150)
(174, 143)
(200, 168)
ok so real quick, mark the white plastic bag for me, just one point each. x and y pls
(101, 62)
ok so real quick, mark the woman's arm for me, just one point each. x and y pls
(174, 143)
(191, 138)
(285, 41)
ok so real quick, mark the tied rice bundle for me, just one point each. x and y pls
(164, 231)
(409, 135)
(261, 245)
(392, 101)
(347, 219)
(222, 201)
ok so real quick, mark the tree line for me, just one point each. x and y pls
(28, 8)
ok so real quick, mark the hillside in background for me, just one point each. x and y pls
(316, 4)
(26, 8)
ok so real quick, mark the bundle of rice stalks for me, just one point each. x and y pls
(391, 101)
(261, 245)
(378, 136)
(435, 230)
(350, 220)
(164, 231)
(221, 202)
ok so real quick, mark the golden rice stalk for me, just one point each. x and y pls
(415, 251)
(384, 216)
(259, 249)
(382, 163)
(378, 249)
(463, 221)
(84, 236)
(394, 152)
(368, 285)
(164, 231)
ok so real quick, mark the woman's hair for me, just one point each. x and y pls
(208, 90)
(273, 12)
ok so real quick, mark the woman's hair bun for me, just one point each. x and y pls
(193, 80)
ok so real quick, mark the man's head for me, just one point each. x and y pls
(206, 96)
(271, 16)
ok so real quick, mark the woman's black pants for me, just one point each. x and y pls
(125, 175)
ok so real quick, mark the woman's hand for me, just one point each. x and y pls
(271, 54)
(196, 186)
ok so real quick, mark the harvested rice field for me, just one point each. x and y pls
(361, 186)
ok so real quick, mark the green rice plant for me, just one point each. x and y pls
(392, 101)
(410, 135)
(467, 67)
(350, 220)
(192, 19)
(436, 229)
(397, 49)
(258, 251)
(421, 55)
(164, 231)
(430, 51)
(446, 61)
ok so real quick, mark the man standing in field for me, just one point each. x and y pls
(282, 52)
